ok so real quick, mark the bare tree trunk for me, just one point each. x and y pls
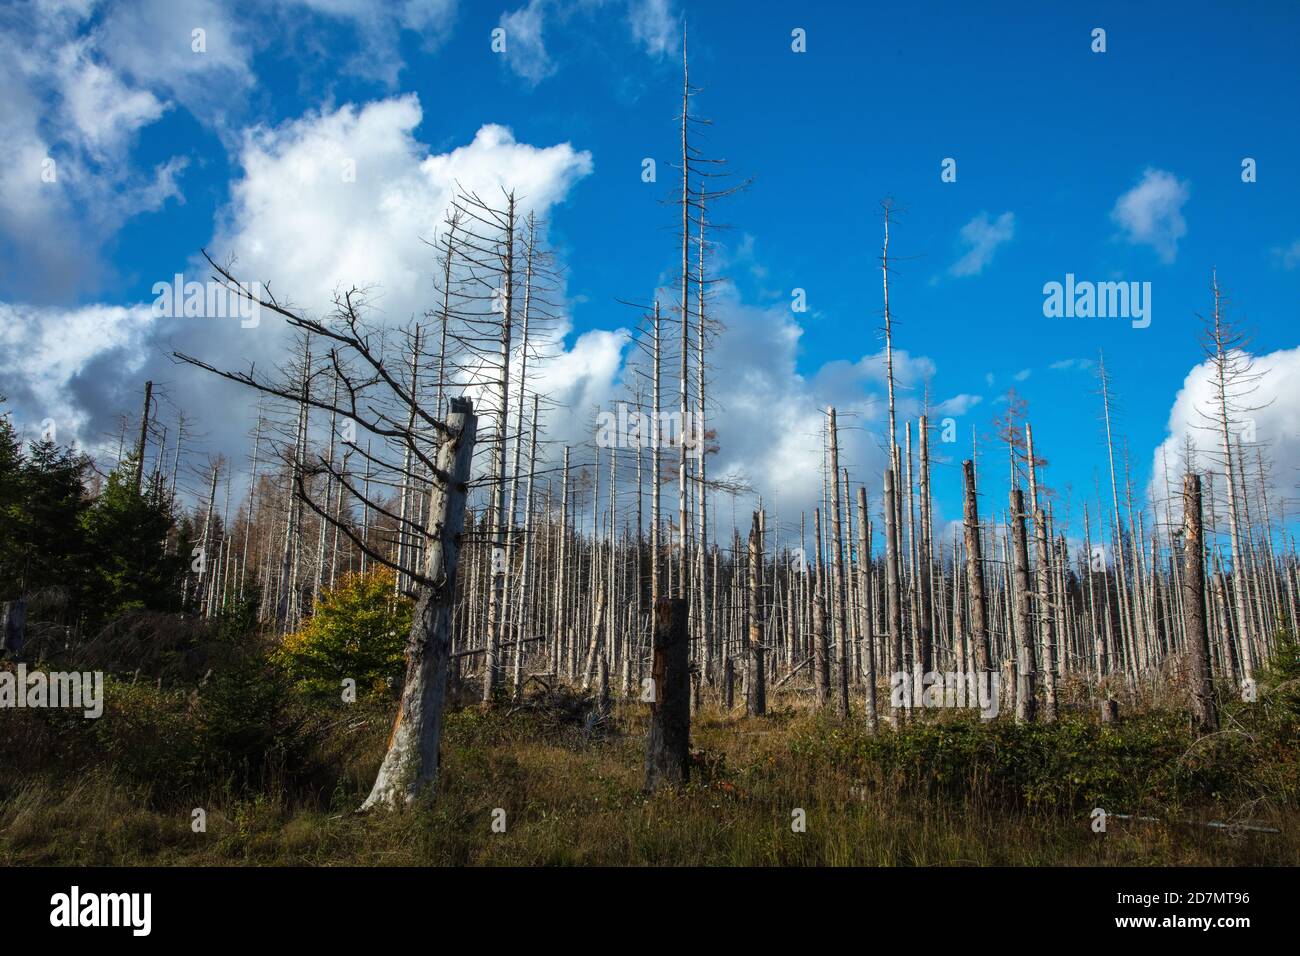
(143, 444)
(1026, 705)
(410, 767)
(500, 520)
(755, 679)
(521, 615)
(868, 650)
(1198, 639)
(1245, 645)
(404, 501)
(820, 649)
(837, 569)
(668, 744)
(596, 634)
(655, 545)
(1045, 614)
(925, 552)
(979, 629)
(1126, 625)
(893, 596)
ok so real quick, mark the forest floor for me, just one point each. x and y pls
(550, 782)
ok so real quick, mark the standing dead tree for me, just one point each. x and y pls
(374, 397)
(1198, 638)
(755, 676)
(668, 744)
(1234, 380)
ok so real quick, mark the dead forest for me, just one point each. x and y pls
(613, 566)
(424, 450)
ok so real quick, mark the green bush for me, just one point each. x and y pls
(358, 630)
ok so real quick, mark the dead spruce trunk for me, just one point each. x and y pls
(755, 679)
(840, 597)
(893, 599)
(821, 646)
(1198, 638)
(1045, 614)
(865, 608)
(979, 630)
(410, 767)
(668, 745)
(1026, 705)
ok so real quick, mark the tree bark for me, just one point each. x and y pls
(668, 745)
(1197, 635)
(868, 639)
(410, 767)
(1026, 706)
(893, 597)
(979, 630)
(755, 679)
(837, 568)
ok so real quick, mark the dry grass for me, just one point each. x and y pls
(573, 797)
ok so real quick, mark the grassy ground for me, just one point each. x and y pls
(279, 779)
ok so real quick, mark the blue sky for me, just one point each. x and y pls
(1048, 137)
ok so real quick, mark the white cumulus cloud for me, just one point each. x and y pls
(1272, 431)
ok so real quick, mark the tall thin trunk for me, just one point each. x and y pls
(864, 609)
(410, 766)
(837, 568)
(1198, 639)
(979, 631)
(1026, 705)
(893, 596)
(755, 679)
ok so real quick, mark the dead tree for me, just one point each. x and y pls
(755, 678)
(979, 629)
(1233, 380)
(488, 239)
(379, 403)
(668, 744)
(925, 553)
(821, 647)
(1043, 585)
(893, 588)
(1126, 623)
(410, 767)
(1204, 711)
(865, 609)
(1026, 706)
(143, 444)
(837, 568)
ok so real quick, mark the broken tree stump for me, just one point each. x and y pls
(668, 745)
(1109, 710)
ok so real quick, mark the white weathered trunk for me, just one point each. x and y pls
(410, 767)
